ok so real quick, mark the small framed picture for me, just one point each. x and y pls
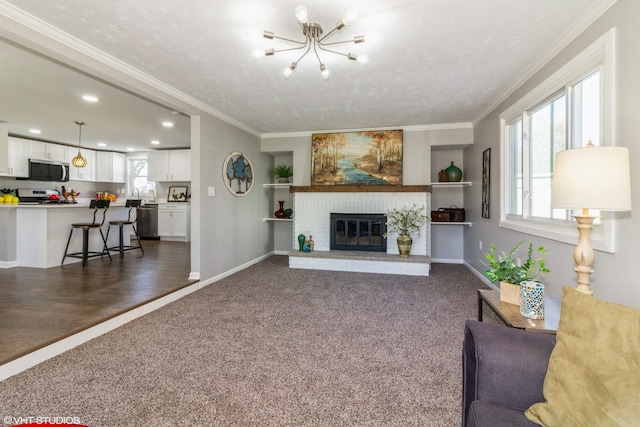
(486, 182)
(178, 194)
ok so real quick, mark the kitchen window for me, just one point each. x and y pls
(569, 109)
(137, 168)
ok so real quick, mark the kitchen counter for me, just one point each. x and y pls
(36, 235)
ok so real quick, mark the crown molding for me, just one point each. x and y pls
(416, 128)
(572, 33)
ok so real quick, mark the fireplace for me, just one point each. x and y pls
(358, 232)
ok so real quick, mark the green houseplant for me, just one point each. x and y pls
(403, 222)
(282, 172)
(506, 269)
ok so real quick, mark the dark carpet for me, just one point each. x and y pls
(271, 346)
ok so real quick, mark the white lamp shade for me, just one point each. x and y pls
(592, 178)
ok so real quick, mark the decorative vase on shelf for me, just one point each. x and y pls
(288, 212)
(404, 245)
(454, 173)
(301, 239)
(280, 212)
(442, 176)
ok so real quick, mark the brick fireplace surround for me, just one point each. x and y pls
(312, 217)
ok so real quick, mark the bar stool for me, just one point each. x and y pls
(86, 226)
(121, 223)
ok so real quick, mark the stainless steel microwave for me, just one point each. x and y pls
(42, 170)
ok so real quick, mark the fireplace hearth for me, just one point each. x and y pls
(358, 232)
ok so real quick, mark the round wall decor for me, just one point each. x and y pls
(237, 173)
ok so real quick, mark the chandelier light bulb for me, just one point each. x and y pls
(258, 53)
(351, 17)
(289, 70)
(325, 73)
(363, 60)
(301, 14)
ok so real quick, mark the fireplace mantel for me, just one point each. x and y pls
(361, 189)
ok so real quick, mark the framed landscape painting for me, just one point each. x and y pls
(357, 158)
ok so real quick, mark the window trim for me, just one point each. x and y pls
(600, 54)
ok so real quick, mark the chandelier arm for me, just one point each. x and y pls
(333, 51)
(304, 54)
(326, 36)
(290, 40)
(291, 48)
(332, 43)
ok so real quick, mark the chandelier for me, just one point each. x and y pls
(79, 161)
(313, 39)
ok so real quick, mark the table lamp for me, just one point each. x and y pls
(590, 178)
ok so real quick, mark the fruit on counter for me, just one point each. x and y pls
(112, 197)
(9, 198)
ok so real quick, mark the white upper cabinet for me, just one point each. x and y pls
(169, 165)
(14, 157)
(110, 167)
(87, 173)
(47, 151)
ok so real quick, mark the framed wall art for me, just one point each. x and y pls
(357, 158)
(486, 182)
(178, 194)
(237, 173)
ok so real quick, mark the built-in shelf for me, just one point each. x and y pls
(452, 223)
(278, 219)
(277, 185)
(451, 184)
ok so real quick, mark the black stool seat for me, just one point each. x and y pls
(122, 248)
(85, 254)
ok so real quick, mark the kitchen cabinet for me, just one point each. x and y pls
(87, 173)
(14, 157)
(174, 221)
(47, 151)
(110, 167)
(169, 165)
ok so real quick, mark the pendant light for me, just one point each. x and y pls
(79, 161)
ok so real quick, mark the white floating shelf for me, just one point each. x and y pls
(277, 185)
(278, 219)
(451, 184)
(452, 223)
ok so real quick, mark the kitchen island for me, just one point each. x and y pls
(36, 235)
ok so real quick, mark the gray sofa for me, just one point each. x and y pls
(503, 373)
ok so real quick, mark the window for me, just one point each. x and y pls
(137, 176)
(569, 109)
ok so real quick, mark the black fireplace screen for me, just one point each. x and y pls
(358, 232)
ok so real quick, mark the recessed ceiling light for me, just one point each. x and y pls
(131, 149)
(38, 131)
(167, 124)
(101, 144)
(155, 142)
(90, 98)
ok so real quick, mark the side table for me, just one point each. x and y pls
(510, 313)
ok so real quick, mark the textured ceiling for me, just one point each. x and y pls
(436, 61)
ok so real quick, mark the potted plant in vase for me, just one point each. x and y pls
(505, 269)
(403, 222)
(282, 172)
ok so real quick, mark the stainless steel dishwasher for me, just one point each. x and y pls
(147, 217)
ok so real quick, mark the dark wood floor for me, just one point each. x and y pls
(41, 306)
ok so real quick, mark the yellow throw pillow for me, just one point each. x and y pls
(593, 377)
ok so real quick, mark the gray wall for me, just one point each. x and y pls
(613, 278)
(230, 229)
